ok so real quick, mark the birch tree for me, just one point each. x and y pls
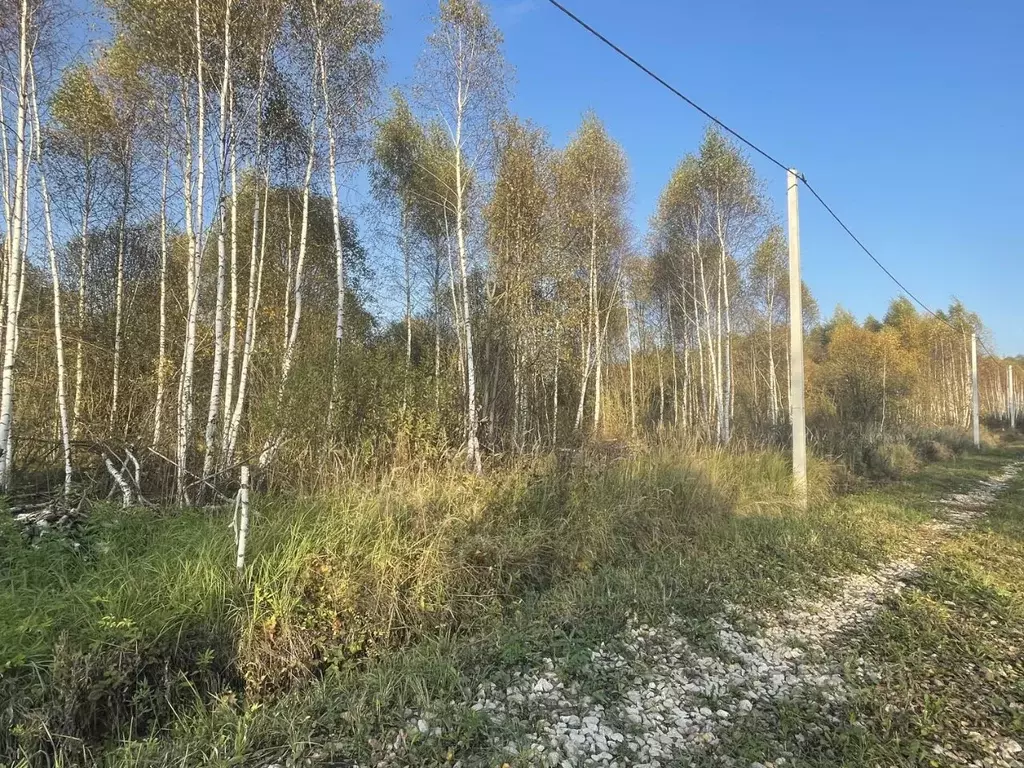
(397, 169)
(226, 147)
(464, 82)
(769, 284)
(592, 185)
(518, 220)
(58, 327)
(344, 34)
(731, 196)
(81, 124)
(16, 215)
(296, 289)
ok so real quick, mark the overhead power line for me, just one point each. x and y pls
(771, 158)
(660, 80)
(871, 256)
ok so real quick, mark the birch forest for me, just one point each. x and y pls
(187, 286)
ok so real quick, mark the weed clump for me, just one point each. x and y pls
(888, 460)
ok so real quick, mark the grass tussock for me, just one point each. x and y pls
(881, 456)
(371, 567)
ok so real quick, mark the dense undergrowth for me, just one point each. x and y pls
(136, 631)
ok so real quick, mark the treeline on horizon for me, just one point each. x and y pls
(183, 288)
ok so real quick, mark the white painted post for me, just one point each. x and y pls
(974, 386)
(243, 525)
(1011, 401)
(796, 343)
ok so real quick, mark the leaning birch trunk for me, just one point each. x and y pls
(251, 316)
(8, 202)
(58, 330)
(162, 362)
(127, 498)
(593, 323)
(286, 315)
(406, 258)
(585, 349)
(661, 390)
(214, 406)
(255, 279)
(14, 256)
(686, 378)
(273, 441)
(339, 256)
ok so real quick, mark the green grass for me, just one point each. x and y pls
(951, 650)
(141, 647)
(948, 653)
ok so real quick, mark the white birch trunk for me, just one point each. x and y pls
(472, 439)
(23, 260)
(727, 411)
(119, 291)
(162, 363)
(58, 329)
(14, 256)
(243, 521)
(214, 405)
(339, 256)
(273, 441)
(675, 369)
(723, 407)
(554, 398)
(121, 482)
(194, 225)
(83, 265)
(629, 353)
(231, 360)
(773, 379)
(251, 315)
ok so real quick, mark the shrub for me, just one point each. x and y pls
(933, 450)
(956, 441)
(887, 460)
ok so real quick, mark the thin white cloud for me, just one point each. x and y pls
(517, 9)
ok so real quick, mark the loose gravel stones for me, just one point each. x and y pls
(679, 697)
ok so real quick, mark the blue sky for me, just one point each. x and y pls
(906, 115)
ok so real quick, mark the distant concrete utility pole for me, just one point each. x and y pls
(1011, 400)
(974, 387)
(796, 343)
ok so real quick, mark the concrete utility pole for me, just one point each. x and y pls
(796, 343)
(974, 387)
(1011, 400)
